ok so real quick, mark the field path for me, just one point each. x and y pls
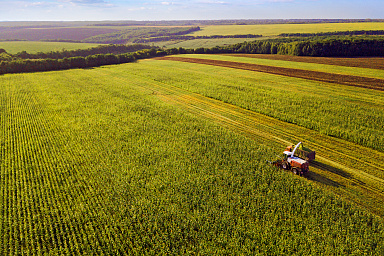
(365, 82)
(349, 170)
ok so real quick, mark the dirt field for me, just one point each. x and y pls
(368, 62)
(365, 82)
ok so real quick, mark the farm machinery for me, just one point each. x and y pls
(296, 159)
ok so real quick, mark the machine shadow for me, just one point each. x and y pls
(322, 179)
(327, 168)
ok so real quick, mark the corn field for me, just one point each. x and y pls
(104, 162)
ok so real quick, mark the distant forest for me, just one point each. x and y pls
(117, 54)
(315, 47)
(101, 49)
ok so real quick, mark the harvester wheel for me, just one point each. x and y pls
(285, 165)
(295, 171)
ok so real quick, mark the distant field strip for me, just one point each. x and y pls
(341, 166)
(197, 43)
(276, 29)
(317, 67)
(364, 82)
(31, 34)
(14, 47)
(373, 63)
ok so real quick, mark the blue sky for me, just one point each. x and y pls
(79, 10)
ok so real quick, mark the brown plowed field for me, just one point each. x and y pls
(367, 62)
(365, 82)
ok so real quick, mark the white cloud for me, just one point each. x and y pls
(213, 2)
(100, 3)
(280, 1)
(38, 4)
(85, 2)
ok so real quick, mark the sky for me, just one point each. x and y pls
(97, 10)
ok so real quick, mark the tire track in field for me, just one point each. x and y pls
(340, 166)
(357, 81)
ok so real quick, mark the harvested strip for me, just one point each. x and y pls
(363, 62)
(365, 82)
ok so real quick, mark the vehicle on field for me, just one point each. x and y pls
(296, 159)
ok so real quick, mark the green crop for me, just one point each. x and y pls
(354, 71)
(94, 162)
(346, 112)
(35, 47)
(350, 170)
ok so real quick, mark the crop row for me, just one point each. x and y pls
(300, 63)
(47, 203)
(350, 113)
(371, 63)
(358, 81)
(340, 163)
(95, 162)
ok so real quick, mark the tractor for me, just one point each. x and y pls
(296, 159)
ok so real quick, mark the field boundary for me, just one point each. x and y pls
(356, 62)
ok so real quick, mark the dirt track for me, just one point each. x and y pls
(367, 62)
(365, 82)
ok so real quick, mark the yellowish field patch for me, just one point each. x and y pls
(276, 29)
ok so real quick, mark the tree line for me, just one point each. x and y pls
(321, 48)
(48, 64)
(101, 49)
(344, 47)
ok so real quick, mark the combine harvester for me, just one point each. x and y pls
(296, 159)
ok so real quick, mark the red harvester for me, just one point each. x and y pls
(296, 158)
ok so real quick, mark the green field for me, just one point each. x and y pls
(162, 157)
(206, 43)
(267, 30)
(354, 71)
(14, 47)
(351, 113)
(277, 29)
